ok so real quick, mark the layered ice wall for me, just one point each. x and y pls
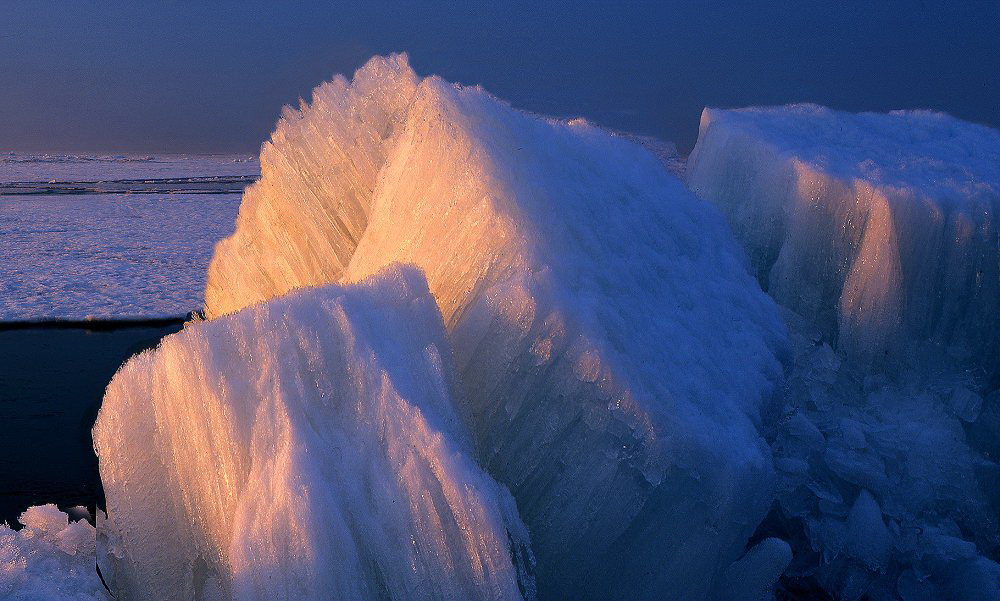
(880, 228)
(614, 351)
(305, 448)
(878, 234)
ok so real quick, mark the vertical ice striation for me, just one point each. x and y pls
(317, 176)
(879, 235)
(614, 351)
(306, 448)
(880, 228)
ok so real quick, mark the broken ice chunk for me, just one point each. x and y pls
(305, 448)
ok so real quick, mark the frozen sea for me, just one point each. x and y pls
(112, 236)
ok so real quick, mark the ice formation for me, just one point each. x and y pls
(615, 353)
(880, 228)
(304, 448)
(878, 234)
(300, 223)
(50, 559)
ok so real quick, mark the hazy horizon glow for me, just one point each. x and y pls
(192, 78)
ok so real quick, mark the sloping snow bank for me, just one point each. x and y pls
(879, 228)
(305, 448)
(50, 559)
(615, 353)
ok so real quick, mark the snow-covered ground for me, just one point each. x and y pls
(51, 558)
(111, 255)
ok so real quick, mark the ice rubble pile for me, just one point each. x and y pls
(306, 448)
(593, 305)
(880, 492)
(880, 228)
(879, 235)
(50, 558)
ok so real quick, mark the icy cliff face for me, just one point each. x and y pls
(880, 228)
(878, 233)
(50, 558)
(306, 448)
(614, 351)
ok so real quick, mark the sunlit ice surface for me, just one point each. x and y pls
(304, 448)
(593, 305)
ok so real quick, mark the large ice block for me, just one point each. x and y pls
(614, 350)
(881, 228)
(305, 448)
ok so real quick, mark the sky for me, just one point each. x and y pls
(213, 76)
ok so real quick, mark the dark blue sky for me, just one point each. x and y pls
(187, 77)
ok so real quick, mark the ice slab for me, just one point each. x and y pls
(880, 228)
(304, 448)
(878, 234)
(614, 350)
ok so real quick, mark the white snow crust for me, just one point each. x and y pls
(615, 353)
(108, 257)
(50, 559)
(305, 448)
(79, 254)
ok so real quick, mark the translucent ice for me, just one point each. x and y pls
(878, 482)
(305, 448)
(300, 223)
(615, 352)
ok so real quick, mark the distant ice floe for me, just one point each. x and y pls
(112, 237)
(51, 558)
(595, 309)
(879, 234)
(36, 167)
